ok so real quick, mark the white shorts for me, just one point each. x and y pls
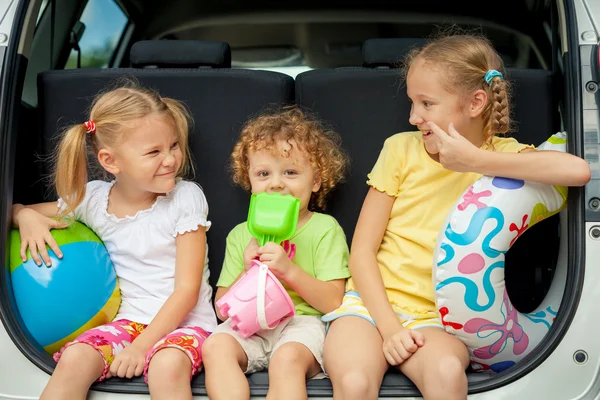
(259, 348)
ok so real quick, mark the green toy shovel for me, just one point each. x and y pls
(273, 217)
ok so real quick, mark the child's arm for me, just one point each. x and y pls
(370, 228)
(555, 168)
(49, 210)
(323, 287)
(34, 223)
(551, 167)
(189, 268)
(324, 296)
(399, 343)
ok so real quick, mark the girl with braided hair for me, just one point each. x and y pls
(460, 103)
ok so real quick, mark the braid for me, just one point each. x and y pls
(471, 64)
(500, 110)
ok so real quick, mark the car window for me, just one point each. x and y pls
(104, 23)
(287, 60)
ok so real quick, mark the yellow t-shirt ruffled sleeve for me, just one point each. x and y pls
(386, 175)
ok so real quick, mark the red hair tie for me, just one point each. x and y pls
(90, 126)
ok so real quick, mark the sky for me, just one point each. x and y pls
(103, 19)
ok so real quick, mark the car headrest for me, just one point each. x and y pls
(180, 54)
(388, 52)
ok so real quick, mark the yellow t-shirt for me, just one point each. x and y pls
(424, 191)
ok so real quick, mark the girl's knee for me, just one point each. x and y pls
(447, 380)
(355, 384)
(169, 365)
(450, 368)
(214, 346)
(221, 347)
(80, 358)
(292, 356)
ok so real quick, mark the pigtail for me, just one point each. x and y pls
(182, 119)
(500, 111)
(70, 167)
(497, 120)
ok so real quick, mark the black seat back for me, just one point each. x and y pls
(365, 106)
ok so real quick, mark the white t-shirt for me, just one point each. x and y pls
(143, 249)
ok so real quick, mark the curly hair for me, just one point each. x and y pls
(321, 144)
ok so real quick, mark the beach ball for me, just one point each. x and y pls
(76, 293)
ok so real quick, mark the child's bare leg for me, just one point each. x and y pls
(438, 368)
(224, 364)
(79, 366)
(354, 359)
(290, 366)
(169, 375)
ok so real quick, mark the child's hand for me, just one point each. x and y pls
(276, 258)
(401, 345)
(250, 253)
(455, 151)
(128, 363)
(34, 229)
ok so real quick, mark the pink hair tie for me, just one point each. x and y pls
(90, 126)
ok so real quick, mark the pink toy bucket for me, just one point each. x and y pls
(257, 301)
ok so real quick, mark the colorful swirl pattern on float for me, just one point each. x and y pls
(469, 267)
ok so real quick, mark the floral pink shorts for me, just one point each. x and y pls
(111, 338)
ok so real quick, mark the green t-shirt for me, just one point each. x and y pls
(321, 251)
